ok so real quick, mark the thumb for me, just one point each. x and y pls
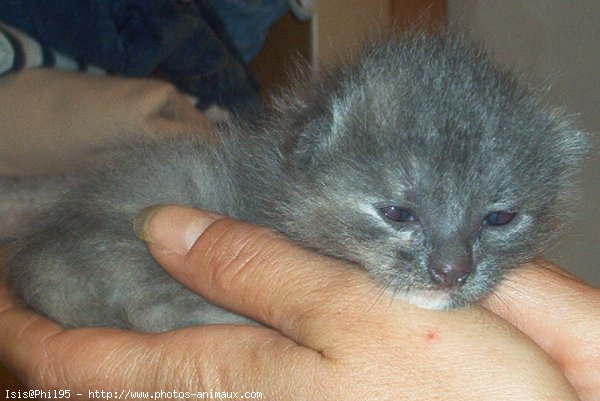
(560, 313)
(253, 271)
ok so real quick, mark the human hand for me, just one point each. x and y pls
(334, 334)
(561, 314)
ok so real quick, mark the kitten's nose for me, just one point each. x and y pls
(449, 274)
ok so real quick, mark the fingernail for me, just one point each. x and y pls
(172, 228)
(140, 222)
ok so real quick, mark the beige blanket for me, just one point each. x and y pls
(54, 121)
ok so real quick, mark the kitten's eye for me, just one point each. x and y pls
(397, 214)
(499, 218)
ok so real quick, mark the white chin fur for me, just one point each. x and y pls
(427, 299)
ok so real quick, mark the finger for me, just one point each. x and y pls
(540, 296)
(560, 313)
(257, 273)
(21, 332)
(45, 356)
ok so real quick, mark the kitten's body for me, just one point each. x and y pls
(427, 126)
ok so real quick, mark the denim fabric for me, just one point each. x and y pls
(186, 42)
(120, 35)
(248, 22)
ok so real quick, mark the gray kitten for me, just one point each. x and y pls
(421, 162)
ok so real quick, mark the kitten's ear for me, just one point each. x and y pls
(573, 145)
(318, 133)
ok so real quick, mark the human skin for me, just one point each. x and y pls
(333, 333)
(561, 314)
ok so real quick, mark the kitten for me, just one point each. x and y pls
(421, 162)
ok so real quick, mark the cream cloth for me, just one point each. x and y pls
(52, 120)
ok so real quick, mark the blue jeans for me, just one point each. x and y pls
(202, 46)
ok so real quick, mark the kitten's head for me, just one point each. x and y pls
(428, 167)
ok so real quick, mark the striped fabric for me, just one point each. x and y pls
(19, 51)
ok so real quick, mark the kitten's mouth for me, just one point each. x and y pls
(427, 299)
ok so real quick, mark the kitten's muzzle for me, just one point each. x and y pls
(451, 258)
(450, 275)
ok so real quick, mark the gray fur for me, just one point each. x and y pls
(428, 124)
